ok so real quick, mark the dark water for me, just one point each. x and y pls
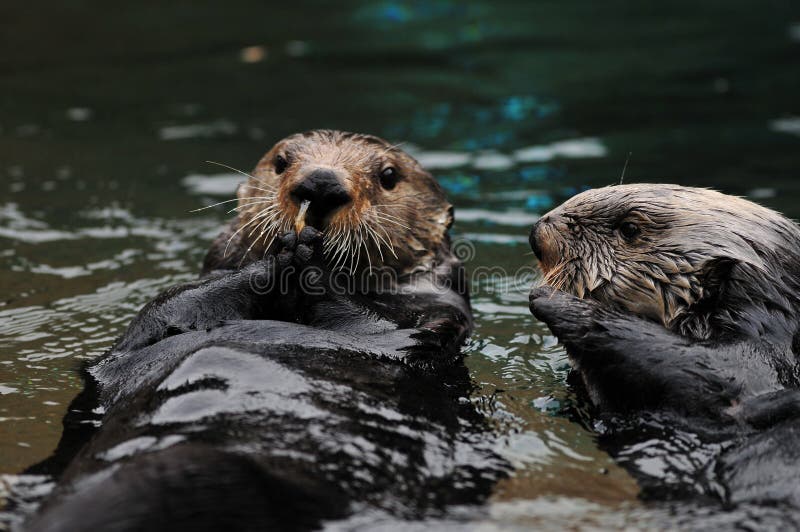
(107, 114)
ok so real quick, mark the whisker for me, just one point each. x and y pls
(230, 239)
(386, 215)
(267, 246)
(247, 252)
(627, 160)
(214, 205)
(340, 254)
(366, 249)
(245, 205)
(270, 190)
(395, 222)
(353, 260)
(333, 247)
(334, 253)
(232, 168)
(371, 233)
(378, 237)
(269, 219)
(378, 246)
(552, 277)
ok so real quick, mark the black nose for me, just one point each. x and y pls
(534, 240)
(324, 190)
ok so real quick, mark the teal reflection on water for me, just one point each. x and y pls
(108, 113)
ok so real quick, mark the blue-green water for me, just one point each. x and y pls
(107, 114)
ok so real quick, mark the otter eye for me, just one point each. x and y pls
(388, 177)
(280, 164)
(629, 230)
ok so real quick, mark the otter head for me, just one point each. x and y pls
(374, 203)
(698, 261)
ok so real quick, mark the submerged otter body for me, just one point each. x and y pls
(270, 395)
(680, 309)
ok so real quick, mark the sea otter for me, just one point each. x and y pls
(271, 395)
(679, 308)
(377, 206)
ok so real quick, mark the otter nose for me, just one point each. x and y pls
(323, 189)
(534, 239)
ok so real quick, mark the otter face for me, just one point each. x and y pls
(661, 251)
(374, 203)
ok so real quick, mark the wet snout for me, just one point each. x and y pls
(543, 239)
(534, 237)
(538, 237)
(325, 191)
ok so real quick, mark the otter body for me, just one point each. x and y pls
(268, 394)
(680, 308)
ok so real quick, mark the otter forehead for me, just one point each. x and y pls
(659, 200)
(339, 148)
(685, 219)
(694, 216)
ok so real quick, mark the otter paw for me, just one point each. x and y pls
(569, 317)
(287, 245)
(549, 304)
(309, 251)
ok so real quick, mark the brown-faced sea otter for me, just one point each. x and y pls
(272, 394)
(375, 204)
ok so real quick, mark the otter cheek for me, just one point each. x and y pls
(646, 305)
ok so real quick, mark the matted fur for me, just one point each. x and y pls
(704, 264)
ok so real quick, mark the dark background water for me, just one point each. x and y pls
(108, 112)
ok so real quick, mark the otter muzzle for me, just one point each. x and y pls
(533, 238)
(325, 192)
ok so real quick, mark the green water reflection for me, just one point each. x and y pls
(107, 114)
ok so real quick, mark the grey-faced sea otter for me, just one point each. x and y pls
(680, 310)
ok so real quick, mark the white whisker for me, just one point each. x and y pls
(395, 222)
(243, 206)
(214, 205)
(242, 228)
(271, 189)
(232, 168)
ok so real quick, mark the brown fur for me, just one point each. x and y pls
(402, 227)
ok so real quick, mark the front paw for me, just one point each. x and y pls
(309, 251)
(300, 251)
(286, 248)
(566, 315)
(539, 299)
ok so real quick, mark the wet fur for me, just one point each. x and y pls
(686, 334)
(398, 228)
(266, 409)
(706, 265)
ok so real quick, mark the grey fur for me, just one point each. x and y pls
(706, 265)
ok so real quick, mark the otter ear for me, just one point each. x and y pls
(242, 190)
(714, 276)
(450, 217)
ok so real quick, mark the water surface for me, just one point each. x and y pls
(107, 115)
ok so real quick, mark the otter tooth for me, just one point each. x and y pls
(300, 219)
